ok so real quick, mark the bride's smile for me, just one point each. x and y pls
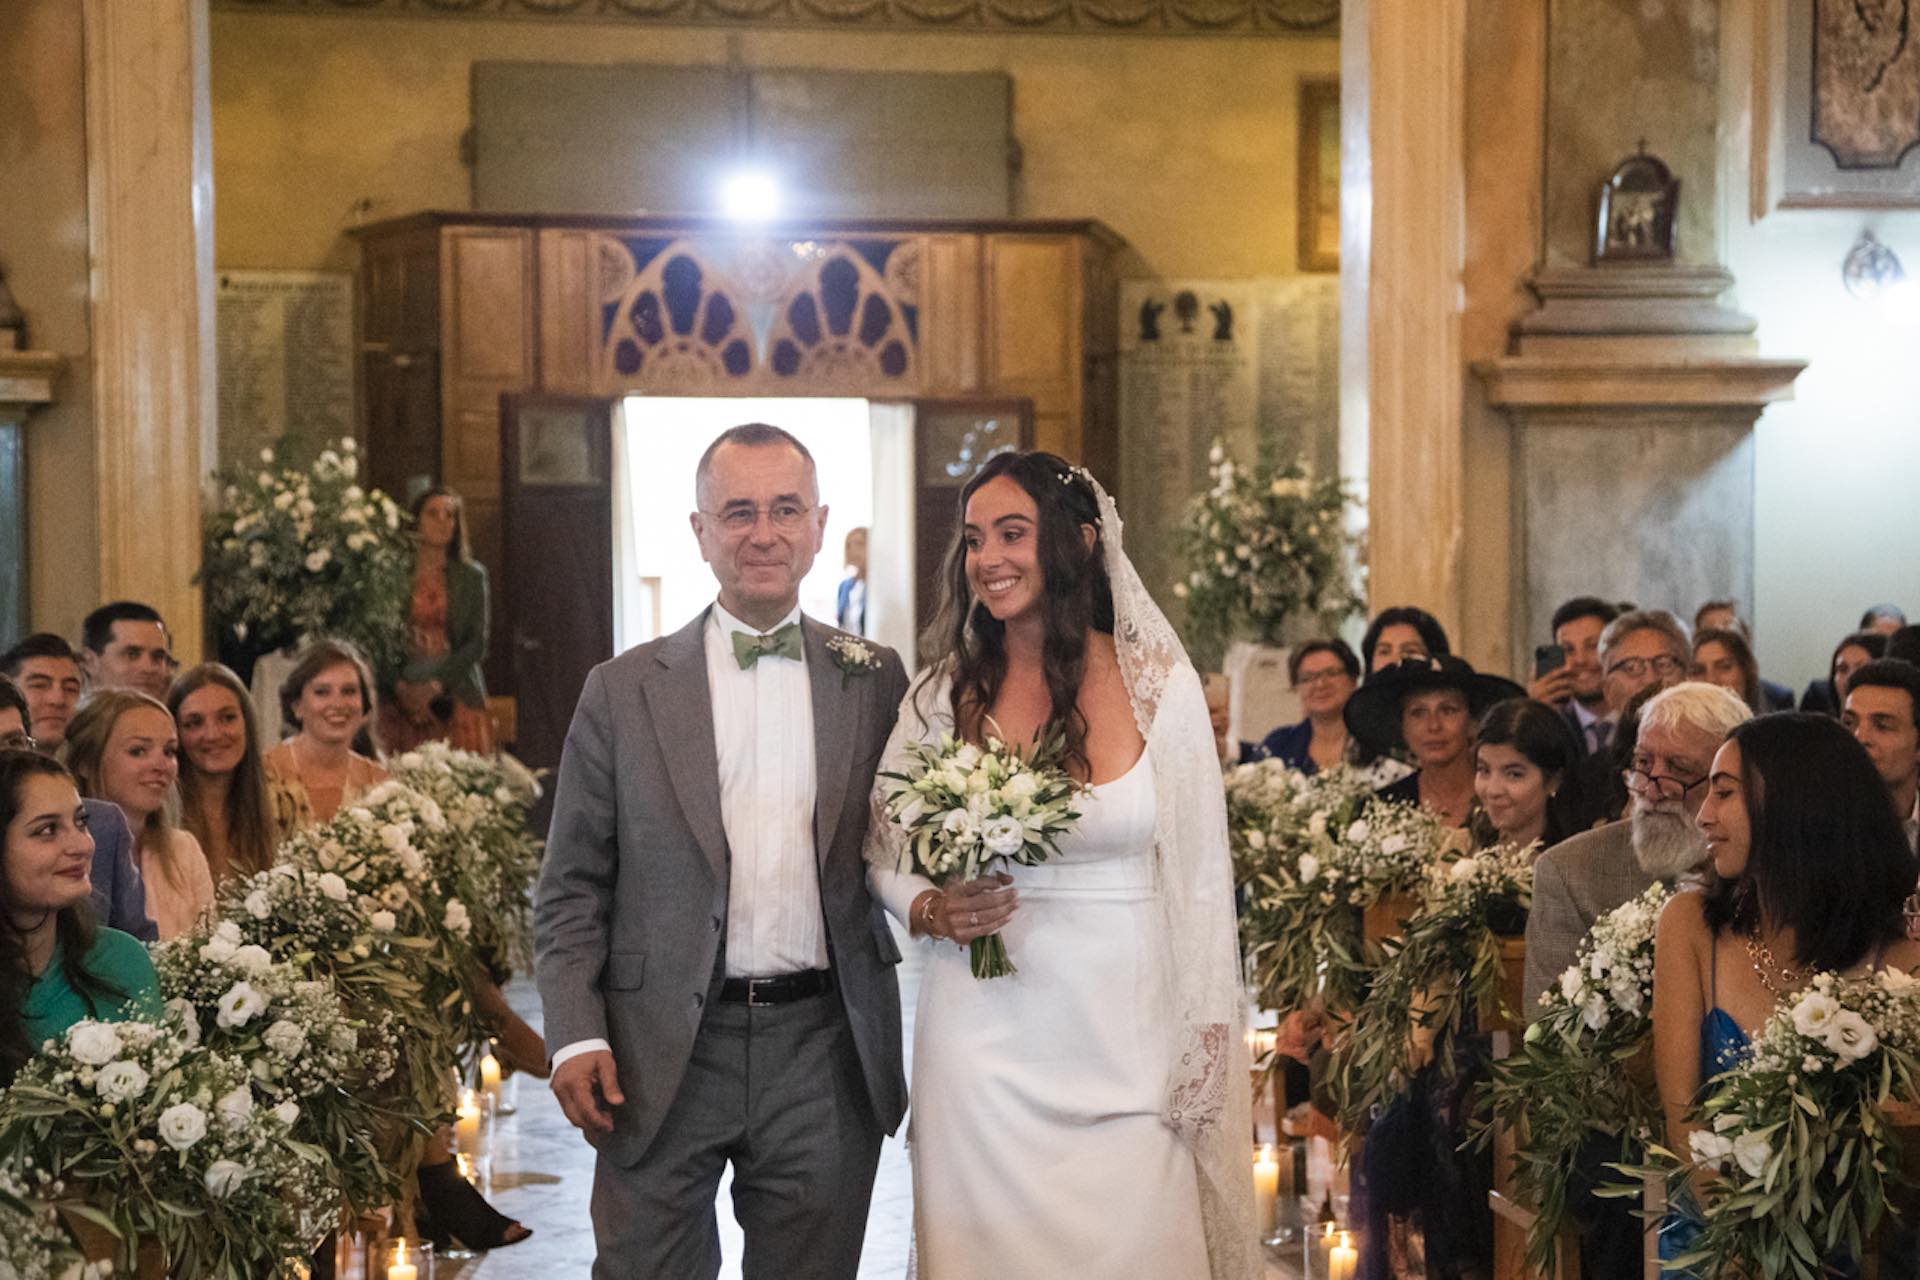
(1002, 565)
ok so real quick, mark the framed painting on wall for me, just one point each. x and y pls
(1319, 211)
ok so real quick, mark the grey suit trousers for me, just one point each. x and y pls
(777, 1091)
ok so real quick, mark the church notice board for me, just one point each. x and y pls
(285, 358)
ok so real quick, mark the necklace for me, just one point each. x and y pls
(1764, 965)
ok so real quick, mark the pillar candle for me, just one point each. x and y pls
(490, 1077)
(1266, 1189)
(1341, 1262)
(466, 1125)
(402, 1268)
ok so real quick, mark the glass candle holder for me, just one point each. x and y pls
(404, 1258)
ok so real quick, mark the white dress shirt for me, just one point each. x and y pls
(763, 737)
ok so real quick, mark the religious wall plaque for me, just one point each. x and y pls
(284, 344)
(1638, 205)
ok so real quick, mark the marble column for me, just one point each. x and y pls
(150, 233)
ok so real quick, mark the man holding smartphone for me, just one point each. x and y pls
(1567, 675)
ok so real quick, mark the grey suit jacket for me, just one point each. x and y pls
(631, 916)
(119, 893)
(1574, 884)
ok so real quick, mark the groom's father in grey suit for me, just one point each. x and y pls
(718, 983)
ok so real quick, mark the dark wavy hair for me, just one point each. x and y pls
(1432, 634)
(1543, 736)
(1828, 856)
(250, 839)
(1742, 653)
(1075, 598)
(76, 928)
(459, 549)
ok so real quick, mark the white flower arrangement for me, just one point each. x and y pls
(34, 1244)
(1799, 1131)
(296, 552)
(967, 810)
(1264, 546)
(165, 1142)
(854, 656)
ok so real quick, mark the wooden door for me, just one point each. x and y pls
(952, 440)
(556, 461)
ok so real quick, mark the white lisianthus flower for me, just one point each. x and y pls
(382, 920)
(287, 1112)
(1004, 836)
(1850, 1036)
(412, 861)
(235, 1107)
(1751, 1152)
(1813, 1013)
(1021, 786)
(1309, 868)
(967, 756)
(1709, 1147)
(186, 1019)
(285, 1038)
(241, 1005)
(224, 1177)
(1393, 844)
(121, 1081)
(1317, 825)
(1897, 981)
(1571, 984)
(93, 1044)
(1358, 832)
(332, 885)
(1595, 1012)
(252, 959)
(182, 1125)
(1464, 869)
(960, 825)
(257, 904)
(456, 918)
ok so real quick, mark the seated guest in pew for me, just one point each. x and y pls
(123, 747)
(1808, 872)
(223, 783)
(126, 645)
(1726, 659)
(119, 895)
(1904, 644)
(1724, 615)
(1577, 686)
(57, 966)
(1885, 619)
(1524, 776)
(1826, 697)
(1324, 674)
(1640, 649)
(48, 672)
(1883, 715)
(1402, 632)
(1428, 707)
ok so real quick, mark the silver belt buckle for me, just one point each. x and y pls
(753, 996)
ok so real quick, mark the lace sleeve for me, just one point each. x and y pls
(923, 716)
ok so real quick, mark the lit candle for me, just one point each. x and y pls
(402, 1267)
(1266, 1188)
(466, 1124)
(1341, 1263)
(490, 1077)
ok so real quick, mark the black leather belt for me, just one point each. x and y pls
(784, 989)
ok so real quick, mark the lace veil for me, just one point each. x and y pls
(1209, 1098)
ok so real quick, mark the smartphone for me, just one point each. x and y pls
(1546, 658)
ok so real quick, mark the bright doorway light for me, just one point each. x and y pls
(750, 195)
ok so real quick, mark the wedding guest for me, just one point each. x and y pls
(1524, 777)
(1809, 870)
(1904, 644)
(1885, 619)
(57, 966)
(1402, 632)
(1828, 696)
(1324, 674)
(1723, 658)
(1427, 706)
(125, 645)
(441, 694)
(1883, 715)
(1640, 649)
(850, 608)
(122, 746)
(1724, 615)
(119, 897)
(1577, 686)
(47, 670)
(223, 783)
(328, 697)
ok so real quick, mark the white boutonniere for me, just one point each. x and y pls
(854, 657)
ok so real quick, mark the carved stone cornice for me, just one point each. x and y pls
(27, 380)
(1117, 17)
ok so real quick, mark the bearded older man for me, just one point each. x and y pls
(1581, 879)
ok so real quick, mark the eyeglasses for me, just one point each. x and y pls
(786, 517)
(1307, 681)
(1665, 665)
(18, 741)
(1660, 786)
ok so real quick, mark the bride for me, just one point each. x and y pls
(1087, 1115)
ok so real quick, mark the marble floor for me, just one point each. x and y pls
(543, 1175)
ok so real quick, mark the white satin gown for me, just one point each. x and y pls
(1036, 1135)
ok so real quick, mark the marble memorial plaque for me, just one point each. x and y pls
(285, 358)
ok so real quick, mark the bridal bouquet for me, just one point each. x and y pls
(967, 811)
(1583, 1069)
(163, 1139)
(1800, 1132)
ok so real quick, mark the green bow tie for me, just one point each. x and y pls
(782, 643)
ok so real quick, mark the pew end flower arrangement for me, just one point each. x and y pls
(1800, 1134)
(1444, 975)
(1583, 1070)
(298, 551)
(968, 811)
(1265, 547)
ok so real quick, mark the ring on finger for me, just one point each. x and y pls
(973, 918)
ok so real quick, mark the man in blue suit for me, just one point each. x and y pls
(119, 895)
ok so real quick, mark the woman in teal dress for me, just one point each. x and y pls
(1807, 872)
(57, 966)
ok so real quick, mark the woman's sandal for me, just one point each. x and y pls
(450, 1209)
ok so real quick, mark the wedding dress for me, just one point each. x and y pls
(1089, 1114)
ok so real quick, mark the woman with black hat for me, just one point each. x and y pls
(1427, 707)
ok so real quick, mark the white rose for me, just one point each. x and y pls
(241, 1005)
(1309, 868)
(224, 1177)
(955, 779)
(285, 1038)
(1709, 1147)
(257, 904)
(235, 1107)
(120, 1081)
(967, 756)
(1751, 1153)
(456, 918)
(1814, 1013)
(1850, 1037)
(1021, 786)
(182, 1125)
(252, 959)
(218, 950)
(93, 1044)
(383, 920)
(332, 885)
(1005, 836)
(287, 1112)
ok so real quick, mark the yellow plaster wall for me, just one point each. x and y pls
(1184, 145)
